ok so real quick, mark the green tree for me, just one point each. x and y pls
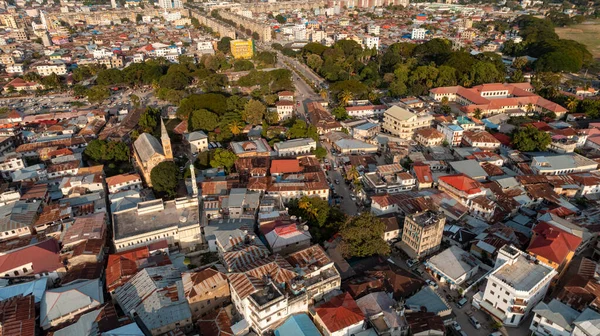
(362, 236)
(344, 97)
(529, 139)
(164, 178)
(320, 152)
(314, 62)
(149, 120)
(109, 77)
(97, 94)
(135, 100)
(477, 113)
(224, 45)
(323, 220)
(254, 112)
(298, 130)
(255, 36)
(272, 118)
(243, 65)
(340, 113)
(174, 81)
(280, 19)
(223, 158)
(203, 120)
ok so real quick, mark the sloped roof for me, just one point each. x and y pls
(340, 312)
(250, 280)
(552, 243)
(62, 301)
(558, 313)
(146, 146)
(124, 265)
(37, 288)
(206, 280)
(285, 166)
(43, 256)
(17, 316)
(299, 325)
(462, 182)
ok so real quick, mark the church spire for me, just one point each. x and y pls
(166, 141)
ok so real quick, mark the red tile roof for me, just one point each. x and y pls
(340, 312)
(462, 182)
(285, 166)
(124, 265)
(423, 172)
(552, 243)
(17, 316)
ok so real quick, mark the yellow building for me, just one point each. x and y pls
(242, 48)
(148, 152)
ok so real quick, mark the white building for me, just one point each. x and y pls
(205, 47)
(371, 42)
(452, 133)
(517, 284)
(295, 147)
(402, 123)
(101, 53)
(16, 68)
(562, 164)
(553, 319)
(48, 69)
(198, 141)
(373, 29)
(285, 109)
(123, 182)
(453, 266)
(166, 4)
(10, 163)
(418, 34)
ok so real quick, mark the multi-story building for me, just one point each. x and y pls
(270, 290)
(373, 29)
(418, 34)
(295, 147)
(389, 178)
(562, 164)
(123, 182)
(166, 4)
(516, 285)
(205, 291)
(243, 49)
(497, 98)
(17, 68)
(402, 123)
(311, 182)
(553, 319)
(422, 233)
(553, 246)
(177, 221)
(285, 109)
(480, 139)
(48, 69)
(371, 42)
(461, 187)
(10, 163)
(197, 141)
(429, 137)
(148, 152)
(452, 133)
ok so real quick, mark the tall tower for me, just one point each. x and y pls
(113, 3)
(166, 142)
(194, 183)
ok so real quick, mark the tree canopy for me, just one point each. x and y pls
(323, 220)
(223, 158)
(530, 139)
(164, 178)
(107, 151)
(362, 236)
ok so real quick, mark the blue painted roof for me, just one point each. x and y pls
(299, 325)
(455, 127)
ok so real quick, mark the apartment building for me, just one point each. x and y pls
(452, 133)
(285, 109)
(10, 163)
(205, 291)
(371, 42)
(391, 178)
(242, 49)
(422, 233)
(461, 187)
(516, 285)
(402, 123)
(418, 34)
(123, 182)
(429, 137)
(49, 68)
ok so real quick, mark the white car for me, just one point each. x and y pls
(456, 326)
(432, 283)
(411, 262)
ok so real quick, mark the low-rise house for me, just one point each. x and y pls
(299, 324)
(319, 275)
(251, 148)
(287, 239)
(205, 291)
(480, 139)
(588, 182)
(379, 310)
(453, 266)
(553, 319)
(123, 182)
(286, 95)
(354, 146)
(339, 316)
(123, 265)
(197, 141)
(553, 246)
(461, 187)
(423, 175)
(425, 324)
(364, 111)
(389, 178)
(64, 304)
(17, 218)
(41, 259)
(17, 316)
(365, 131)
(311, 182)
(10, 163)
(295, 147)
(429, 299)
(155, 297)
(429, 137)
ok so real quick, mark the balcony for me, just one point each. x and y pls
(520, 302)
(517, 310)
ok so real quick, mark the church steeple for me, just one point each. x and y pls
(166, 141)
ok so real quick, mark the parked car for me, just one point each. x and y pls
(474, 322)
(411, 262)
(462, 302)
(337, 181)
(456, 326)
(432, 283)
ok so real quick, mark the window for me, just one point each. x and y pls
(492, 292)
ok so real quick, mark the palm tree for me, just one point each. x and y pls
(344, 97)
(324, 94)
(572, 104)
(444, 101)
(529, 108)
(358, 187)
(236, 127)
(352, 174)
(477, 113)
(307, 206)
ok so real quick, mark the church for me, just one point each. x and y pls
(149, 152)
